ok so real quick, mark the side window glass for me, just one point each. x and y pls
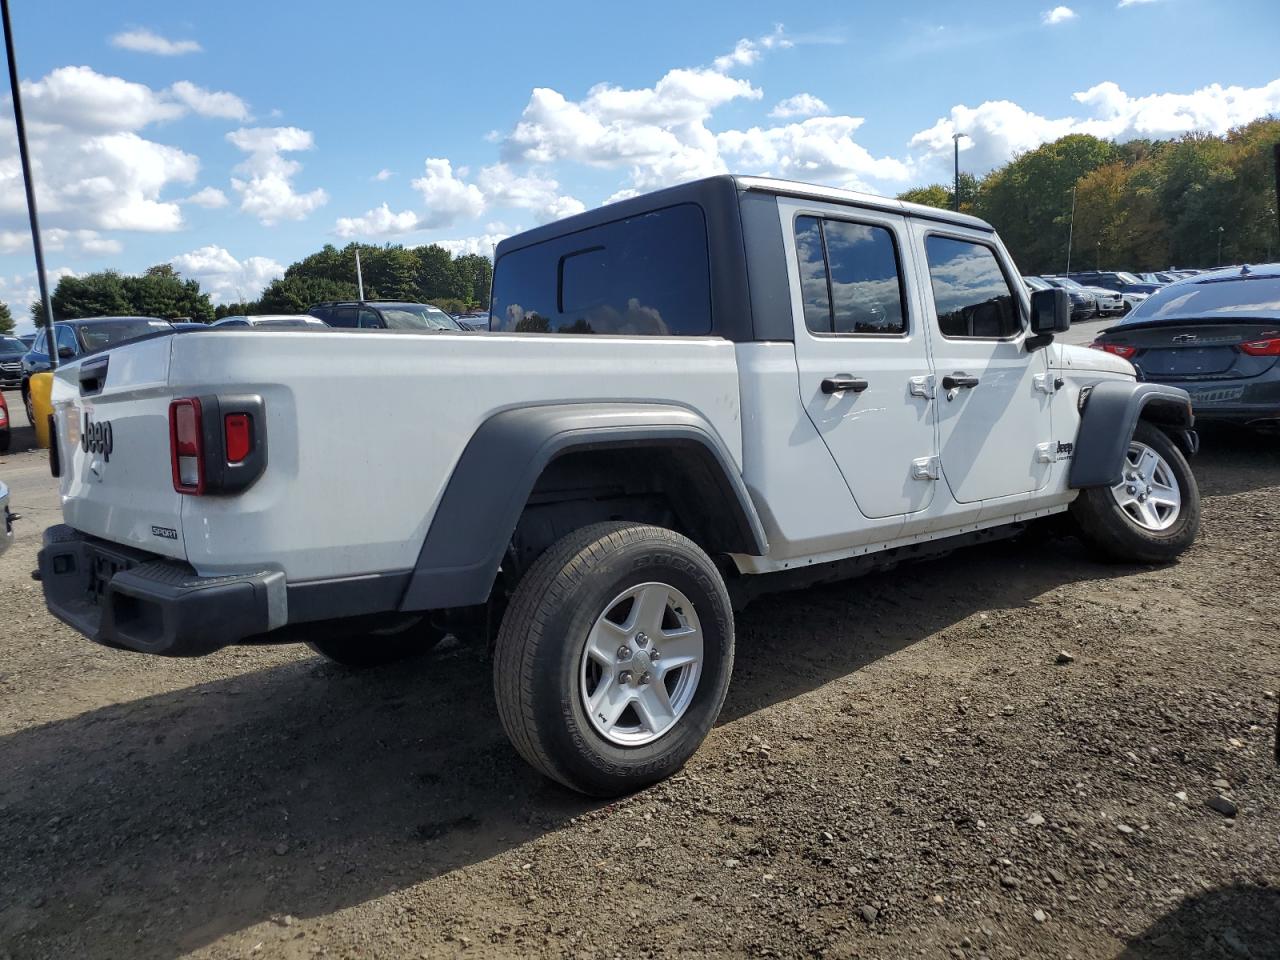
(343, 317)
(970, 293)
(369, 320)
(850, 281)
(814, 288)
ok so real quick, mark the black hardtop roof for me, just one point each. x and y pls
(711, 190)
(89, 321)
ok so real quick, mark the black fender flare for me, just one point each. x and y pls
(1111, 412)
(493, 478)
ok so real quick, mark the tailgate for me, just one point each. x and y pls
(112, 413)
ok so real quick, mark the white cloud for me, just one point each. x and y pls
(382, 175)
(820, 149)
(147, 41)
(210, 103)
(267, 191)
(225, 278)
(1057, 15)
(1000, 129)
(747, 52)
(1133, 3)
(378, 222)
(482, 244)
(540, 195)
(209, 197)
(801, 105)
(84, 100)
(447, 198)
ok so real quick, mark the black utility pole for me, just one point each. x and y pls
(26, 179)
(1276, 150)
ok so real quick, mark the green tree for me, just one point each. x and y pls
(6, 319)
(390, 272)
(297, 294)
(934, 195)
(438, 275)
(477, 273)
(93, 295)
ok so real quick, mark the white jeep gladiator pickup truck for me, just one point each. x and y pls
(685, 399)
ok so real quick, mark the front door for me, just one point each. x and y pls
(862, 352)
(994, 395)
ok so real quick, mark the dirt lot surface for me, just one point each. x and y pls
(904, 768)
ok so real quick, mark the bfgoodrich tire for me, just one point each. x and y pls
(362, 651)
(1153, 514)
(614, 657)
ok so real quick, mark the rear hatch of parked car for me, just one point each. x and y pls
(112, 420)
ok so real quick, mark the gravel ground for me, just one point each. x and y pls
(1009, 752)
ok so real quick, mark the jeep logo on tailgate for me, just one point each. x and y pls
(95, 437)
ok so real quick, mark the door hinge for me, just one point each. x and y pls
(925, 468)
(922, 387)
(1045, 452)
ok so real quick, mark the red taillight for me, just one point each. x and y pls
(1262, 348)
(1119, 349)
(237, 429)
(186, 445)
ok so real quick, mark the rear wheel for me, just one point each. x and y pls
(26, 403)
(361, 651)
(614, 657)
(1153, 514)
(4, 441)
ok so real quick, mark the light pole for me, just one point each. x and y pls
(34, 217)
(1071, 226)
(1220, 246)
(955, 193)
(1097, 262)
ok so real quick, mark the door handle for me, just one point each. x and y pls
(958, 380)
(842, 382)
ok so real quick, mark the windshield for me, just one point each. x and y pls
(95, 336)
(417, 316)
(66, 338)
(12, 347)
(1127, 278)
(1243, 298)
(1035, 283)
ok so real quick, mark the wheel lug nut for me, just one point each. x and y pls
(654, 654)
(624, 677)
(641, 640)
(644, 679)
(623, 652)
(1131, 488)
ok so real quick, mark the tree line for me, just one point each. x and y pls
(428, 274)
(1195, 201)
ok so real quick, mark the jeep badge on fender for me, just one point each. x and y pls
(95, 437)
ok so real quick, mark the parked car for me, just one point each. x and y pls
(1161, 277)
(28, 339)
(1084, 306)
(1216, 335)
(1109, 303)
(6, 516)
(11, 352)
(75, 338)
(5, 431)
(1117, 280)
(384, 315)
(865, 386)
(275, 321)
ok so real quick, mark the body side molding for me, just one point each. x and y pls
(1108, 421)
(491, 483)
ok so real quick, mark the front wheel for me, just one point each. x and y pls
(614, 657)
(1153, 514)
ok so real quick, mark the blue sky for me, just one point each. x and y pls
(233, 138)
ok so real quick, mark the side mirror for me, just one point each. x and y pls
(1050, 312)
(65, 353)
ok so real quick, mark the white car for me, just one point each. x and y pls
(688, 398)
(277, 321)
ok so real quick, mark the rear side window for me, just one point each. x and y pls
(849, 278)
(342, 317)
(970, 293)
(646, 275)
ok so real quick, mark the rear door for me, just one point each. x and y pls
(994, 395)
(112, 414)
(862, 351)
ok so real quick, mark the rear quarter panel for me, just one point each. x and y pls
(365, 428)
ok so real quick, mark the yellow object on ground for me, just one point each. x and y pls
(41, 386)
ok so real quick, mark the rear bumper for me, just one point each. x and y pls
(128, 598)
